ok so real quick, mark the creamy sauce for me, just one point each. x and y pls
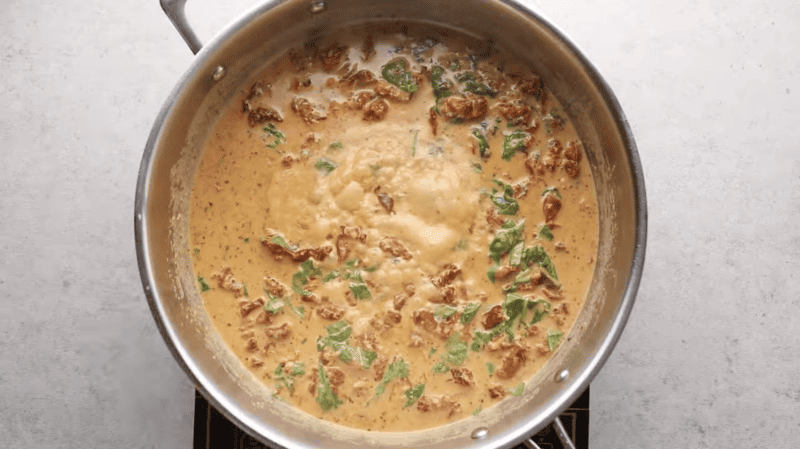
(372, 333)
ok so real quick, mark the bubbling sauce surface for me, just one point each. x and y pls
(391, 232)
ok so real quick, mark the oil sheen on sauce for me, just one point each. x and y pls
(351, 209)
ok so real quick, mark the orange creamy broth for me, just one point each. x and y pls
(246, 192)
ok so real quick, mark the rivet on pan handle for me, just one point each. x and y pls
(174, 9)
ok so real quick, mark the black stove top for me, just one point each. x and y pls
(212, 430)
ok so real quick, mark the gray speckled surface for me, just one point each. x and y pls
(711, 354)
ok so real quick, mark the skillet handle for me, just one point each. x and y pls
(174, 9)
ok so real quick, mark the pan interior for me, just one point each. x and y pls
(175, 148)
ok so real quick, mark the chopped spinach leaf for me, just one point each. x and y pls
(204, 287)
(283, 380)
(330, 276)
(539, 312)
(490, 368)
(244, 289)
(336, 145)
(513, 142)
(537, 254)
(396, 74)
(480, 338)
(471, 84)
(301, 278)
(339, 331)
(483, 144)
(554, 338)
(470, 310)
(273, 305)
(413, 394)
(440, 368)
(360, 291)
(280, 241)
(457, 350)
(545, 233)
(325, 165)
(441, 87)
(518, 390)
(491, 273)
(373, 268)
(395, 370)
(476, 167)
(431, 352)
(551, 191)
(443, 311)
(509, 235)
(278, 137)
(505, 202)
(325, 397)
(516, 253)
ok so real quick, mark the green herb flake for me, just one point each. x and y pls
(443, 311)
(278, 137)
(325, 165)
(513, 142)
(244, 290)
(414, 143)
(395, 73)
(431, 352)
(518, 390)
(196, 252)
(204, 287)
(336, 145)
(413, 394)
(325, 397)
(554, 338)
(395, 370)
(476, 167)
(476, 411)
(505, 202)
(545, 233)
(483, 144)
(490, 368)
(470, 311)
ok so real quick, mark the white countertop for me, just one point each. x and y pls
(709, 358)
